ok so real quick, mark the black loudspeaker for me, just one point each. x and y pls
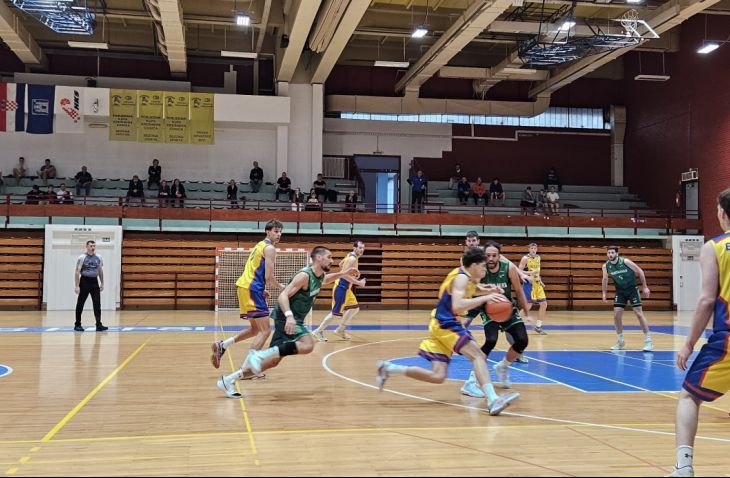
(284, 41)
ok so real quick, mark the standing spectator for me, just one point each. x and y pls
(64, 196)
(320, 187)
(83, 180)
(463, 191)
(419, 185)
(283, 186)
(47, 171)
(456, 177)
(479, 191)
(232, 193)
(163, 195)
(412, 168)
(177, 193)
(351, 202)
(34, 195)
(551, 178)
(154, 174)
(552, 201)
(256, 177)
(528, 201)
(136, 190)
(19, 170)
(313, 203)
(89, 279)
(496, 192)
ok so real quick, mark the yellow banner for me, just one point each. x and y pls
(149, 125)
(201, 118)
(177, 118)
(122, 115)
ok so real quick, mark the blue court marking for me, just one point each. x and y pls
(5, 370)
(590, 371)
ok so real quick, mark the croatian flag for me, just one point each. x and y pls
(12, 107)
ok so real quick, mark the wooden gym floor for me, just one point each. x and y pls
(143, 401)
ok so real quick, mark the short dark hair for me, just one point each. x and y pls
(317, 251)
(532, 244)
(354, 244)
(90, 242)
(471, 234)
(494, 244)
(473, 255)
(273, 224)
(615, 248)
(724, 200)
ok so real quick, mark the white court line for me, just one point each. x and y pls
(479, 409)
(658, 362)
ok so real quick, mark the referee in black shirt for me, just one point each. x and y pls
(89, 279)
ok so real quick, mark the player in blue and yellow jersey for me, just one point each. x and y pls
(251, 289)
(709, 376)
(623, 272)
(448, 335)
(534, 290)
(344, 302)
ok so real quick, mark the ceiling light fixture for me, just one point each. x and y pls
(85, 44)
(567, 25)
(420, 31)
(243, 19)
(708, 47)
(239, 54)
(392, 64)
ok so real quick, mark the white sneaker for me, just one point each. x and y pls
(502, 402)
(253, 362)
(227, 388)
(319, 335)
(503, 375)
(648, 345)
(472, 389)
(619, 345)
(343, 333)
(522, 359)
(684, 471)
(382, 375)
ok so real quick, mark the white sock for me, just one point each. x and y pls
(228, 342)
(490, 393)
(272, 352)
(348, 317)
(325, 322)
(647, 336)
(505, 363)
(538, 323)
(620, 337)
(393, 368)
(472, 377)
(684, 456)
(237, 375)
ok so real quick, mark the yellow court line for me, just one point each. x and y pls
(91, 395)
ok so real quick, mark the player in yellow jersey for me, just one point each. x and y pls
(344, 302)
(534, 290)
(709, 376)
(448, 335)
(251, 289)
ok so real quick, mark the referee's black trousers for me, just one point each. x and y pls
(89, 285)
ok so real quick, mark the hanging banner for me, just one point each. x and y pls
(149, 124)
(201, 118)
(95, 103)
(12, 107)
(40, 109)
(69, 110)
(122, 115)
(177, 118)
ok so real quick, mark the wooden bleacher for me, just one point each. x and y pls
(21, 272)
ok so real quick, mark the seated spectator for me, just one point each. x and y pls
(83, 180)
(34, 195)
(479, 191)
(19, 170)
(320, 188)
(256, 177)
(135, 191)
(163, 195)
(283, 186)
(47, 171)
(313, 203)
(551, 178)
(496, 192)
(351, 202)
(456, 177)
(177, 193)
(541, 202)
(154, 174)
(463, 191)
(552, 201)
(528, 203)
(48, 197)
(64, 196)
(232, 193)
(298, 200)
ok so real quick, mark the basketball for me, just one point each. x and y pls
(499, 311)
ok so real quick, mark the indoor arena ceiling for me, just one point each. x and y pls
(475, 39)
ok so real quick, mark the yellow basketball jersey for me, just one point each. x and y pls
(254, 274)
(444, 310)
(342, 282)
(722, 251)
(533, 265)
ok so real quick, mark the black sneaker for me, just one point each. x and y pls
(78, 328)
(101, 327)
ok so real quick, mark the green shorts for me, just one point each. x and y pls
(626, 297)
(504, 326)
(281, 337)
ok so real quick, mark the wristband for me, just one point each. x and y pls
(289, 313)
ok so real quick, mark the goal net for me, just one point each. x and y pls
(229, 265)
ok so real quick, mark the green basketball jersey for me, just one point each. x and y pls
(301, 302)
(500, 279)
(623, 276)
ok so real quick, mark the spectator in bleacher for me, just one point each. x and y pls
(313, 203)
(2, 183)
(34, 195)
(496, 192)
(177, 193)
(163, 195)
(48, 197)
(83, 180)
(256, 177)
(463, 191)
(135, 192)
(64, 196)
(541, 202)
(298, 200)
(320, 187)
(419, 188)
(47, 171)
(19, 170)
(232, 193)
(351, 202)
(154, 174)
(553, 200)
(479, 191)
(456, 177)
(551, 178)
(283, 186)
(528, 203)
